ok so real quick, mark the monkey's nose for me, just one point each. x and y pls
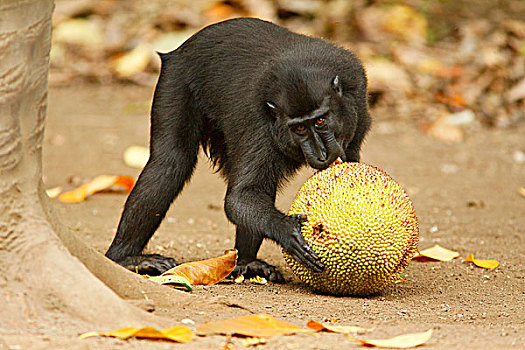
(323, 156)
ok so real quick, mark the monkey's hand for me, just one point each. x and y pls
(294, 244)
(256, 268)
(148, 264)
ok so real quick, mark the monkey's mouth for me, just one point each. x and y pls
(322, 162)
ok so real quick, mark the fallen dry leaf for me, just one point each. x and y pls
(323, 327)
(258, 280)
(443, 130)
(253, 341)
(206, 272)
(385, 75)
(521, 191)
(98, 184)
(486, 264)
(436, 253)
(179, 334)
(258, 325)
(454, 101)
(53, 192)
(172, 279)
(136, 156)
(383, 22)
(400, 342)
(406, 23)
(517, 92)
(133, 62)
(239, 279)
(79, 31)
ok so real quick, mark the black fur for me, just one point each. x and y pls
(261, 101)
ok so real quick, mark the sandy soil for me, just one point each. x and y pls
(466, 198)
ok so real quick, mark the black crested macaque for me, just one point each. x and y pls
(262, 102)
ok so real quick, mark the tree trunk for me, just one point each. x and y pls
(42, 283)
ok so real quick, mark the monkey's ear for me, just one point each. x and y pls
(336, 85)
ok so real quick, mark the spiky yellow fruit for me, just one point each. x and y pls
(361, 224)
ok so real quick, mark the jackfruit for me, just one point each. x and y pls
(361, 224)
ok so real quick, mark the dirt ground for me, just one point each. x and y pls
(465, 194)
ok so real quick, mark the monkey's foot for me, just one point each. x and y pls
(256, 268)
(148, 264)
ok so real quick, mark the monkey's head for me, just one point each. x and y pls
(320, 116)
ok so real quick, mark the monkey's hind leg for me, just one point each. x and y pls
(175, 140)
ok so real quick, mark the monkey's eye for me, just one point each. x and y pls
(300, 128)
(319, 122)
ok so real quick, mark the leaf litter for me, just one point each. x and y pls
(257, 325)
(404, 341)
(325, 327)
(436, 253)
(486, 264)
(98, 184)
(202, 272)
(180, 334)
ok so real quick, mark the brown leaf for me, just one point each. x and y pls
(179, 334)
(99, 183)
(323, 327)
(400, 342)
(206, 272)
(454, 101)
(258, 325)
(516, 92)
(486, 264)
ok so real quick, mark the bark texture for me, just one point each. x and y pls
(42, 283)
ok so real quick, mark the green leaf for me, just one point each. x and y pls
(172, 279)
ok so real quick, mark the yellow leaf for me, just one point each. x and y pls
(406, 22)
(179, 334)
(323, 327)
(79, 31)
(98, 184)
(134, 61)
(253, 341)
(258, 280)
(77, 195)
(521, 191)
(239, 279)
(436, 253)
(400, 342)
(258, 325)
(136, 156)
(206, 272)
(53, 192)
(127, 182)
(486, 264)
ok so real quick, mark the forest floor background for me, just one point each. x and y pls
(465, 194)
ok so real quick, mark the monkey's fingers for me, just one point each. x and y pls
(258, 268)
(306, 256)
(299, 217)
(148, 264)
